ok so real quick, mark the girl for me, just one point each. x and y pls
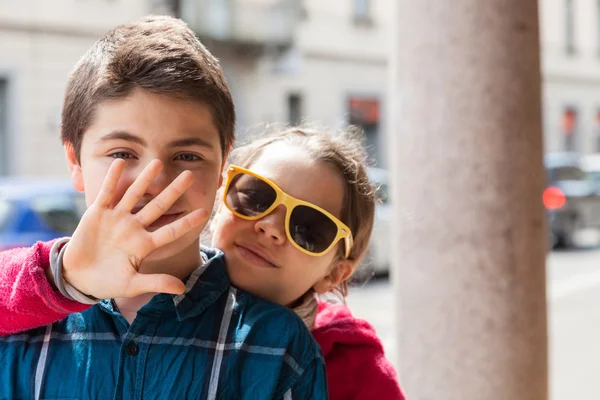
(295, 221)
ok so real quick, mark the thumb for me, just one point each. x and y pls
(155, 283)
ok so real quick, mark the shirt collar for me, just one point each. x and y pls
(202, 288)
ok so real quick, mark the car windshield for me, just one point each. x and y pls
(5, 209)
(595, 175)
(567, 174)
(383, 193)
(60, 212)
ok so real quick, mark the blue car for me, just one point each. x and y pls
(32, 210)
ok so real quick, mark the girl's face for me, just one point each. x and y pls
(260, 258)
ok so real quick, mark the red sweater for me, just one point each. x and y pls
(354, 358)
(27, 300)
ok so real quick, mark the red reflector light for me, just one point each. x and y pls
(553, 198)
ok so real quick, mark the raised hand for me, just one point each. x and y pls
(107, 248)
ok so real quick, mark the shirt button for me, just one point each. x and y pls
(133, 349)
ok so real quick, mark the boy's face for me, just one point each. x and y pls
(143, 127)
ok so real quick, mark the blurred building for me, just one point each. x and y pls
(570, 32)
(285, 60)
(40, 42)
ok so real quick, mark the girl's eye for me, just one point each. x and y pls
(306, 237)
(187, 157)
(122, 154)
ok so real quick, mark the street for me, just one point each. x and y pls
(573, 282)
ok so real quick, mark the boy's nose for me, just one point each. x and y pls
(159, 183)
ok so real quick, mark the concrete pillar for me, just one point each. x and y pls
(470, 231)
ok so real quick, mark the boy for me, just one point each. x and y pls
(150, 91)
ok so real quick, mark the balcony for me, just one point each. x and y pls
(246, 23)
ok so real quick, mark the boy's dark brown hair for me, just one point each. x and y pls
(160, 54)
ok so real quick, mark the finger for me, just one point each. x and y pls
(154, 283)
(109, 186)
(176, 229)
(138, 188)
(161, 203)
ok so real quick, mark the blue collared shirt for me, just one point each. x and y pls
(213, 342)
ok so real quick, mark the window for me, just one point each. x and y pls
(6, 210)
(294, 109)
(4, 151)
(598, 25)
(361, 10)
(569, 128)
(596, 132)
(170, 7)
(383, 193)
(365, 113)
(568, 174)
(379, 178)
(569, 27)
(364, 110)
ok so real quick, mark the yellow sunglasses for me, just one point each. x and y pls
(310, 228)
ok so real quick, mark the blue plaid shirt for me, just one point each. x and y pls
(213, 342)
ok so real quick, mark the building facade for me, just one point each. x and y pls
(40, 42)
(285, 60)
(570, 34)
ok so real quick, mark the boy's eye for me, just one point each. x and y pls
(122, 154)
(187, 157)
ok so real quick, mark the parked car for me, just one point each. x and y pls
(590, 163)
(377, 260)
(32, 210)
(571, 198)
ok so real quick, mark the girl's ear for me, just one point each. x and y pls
(74, 167)
(340, 273)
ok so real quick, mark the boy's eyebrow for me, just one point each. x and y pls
(122, 135)
(192, 141)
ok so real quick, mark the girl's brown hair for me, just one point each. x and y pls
(343, 151)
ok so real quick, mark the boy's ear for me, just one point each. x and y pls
(74, 167)
(340, 273)
(226, 155)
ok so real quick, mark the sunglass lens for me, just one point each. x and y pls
(249, 195)
(311, 229)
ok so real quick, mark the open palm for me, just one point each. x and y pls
(105, 253)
